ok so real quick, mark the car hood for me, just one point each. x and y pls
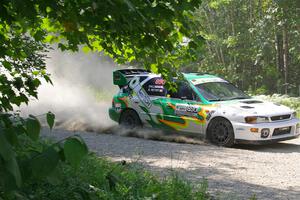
(250, 107)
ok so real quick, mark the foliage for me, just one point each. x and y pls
(23, 157)
(254, 44)
(159, 35)
(97, 178)
(21, 68)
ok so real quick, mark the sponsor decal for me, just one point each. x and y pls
(206, 80)
(160, 81)
(156, 88)
(210, 114)
(140, 92)
(186, 110)
(118, 107)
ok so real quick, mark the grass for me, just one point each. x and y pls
(98, 178)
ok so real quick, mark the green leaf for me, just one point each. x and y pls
(48, 9)
(75, 149)
(47, 79)
(33, 128)
(13, 167)
(6, 64)
(45, 163)
(10, 162)
(35, 73)
(11, 136)
(55, 177)
(6, 150)
(50, 119)
(86, 49)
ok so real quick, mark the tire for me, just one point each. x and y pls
(130, 119)
(220, 132)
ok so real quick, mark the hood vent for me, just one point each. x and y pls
(247, 107)
(251, 102)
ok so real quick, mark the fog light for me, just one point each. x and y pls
(254, 130)
(265, 132)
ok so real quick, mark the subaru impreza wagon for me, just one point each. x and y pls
(202, 104)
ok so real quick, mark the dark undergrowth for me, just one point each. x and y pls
(98, 178)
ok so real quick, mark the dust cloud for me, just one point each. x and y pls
(156, 134)
(81, 94)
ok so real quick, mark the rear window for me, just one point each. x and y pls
(155, 87)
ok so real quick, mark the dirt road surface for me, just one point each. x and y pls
(269, 171)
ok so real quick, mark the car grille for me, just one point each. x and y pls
(282, 131)
(280, 117)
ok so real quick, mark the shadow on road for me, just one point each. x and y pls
(282, 147)
(232, 189)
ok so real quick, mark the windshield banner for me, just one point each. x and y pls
(206, 80)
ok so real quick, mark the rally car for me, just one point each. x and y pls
(202, 104)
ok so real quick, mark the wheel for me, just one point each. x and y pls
(220, 132)
(130, 119)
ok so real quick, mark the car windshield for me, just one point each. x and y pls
(220, 91)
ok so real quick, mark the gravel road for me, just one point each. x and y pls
(270, 171)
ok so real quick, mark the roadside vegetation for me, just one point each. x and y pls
(98, 178)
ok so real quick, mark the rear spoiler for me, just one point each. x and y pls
(123, 76)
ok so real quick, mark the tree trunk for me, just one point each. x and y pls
(285, 57)
(279, 52)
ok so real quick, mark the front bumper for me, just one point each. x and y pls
(243, 134)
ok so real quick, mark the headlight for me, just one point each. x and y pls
(258, 119)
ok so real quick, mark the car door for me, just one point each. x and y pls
(155, 91)
(184, 111)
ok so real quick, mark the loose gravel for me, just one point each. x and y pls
(269, 171)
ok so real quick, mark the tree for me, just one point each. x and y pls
(151, 33)
(158, 35)
(252, 43)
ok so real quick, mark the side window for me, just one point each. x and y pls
(155, 87)
(184, 91)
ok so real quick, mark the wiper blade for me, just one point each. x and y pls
(220, 99)
(241, 97)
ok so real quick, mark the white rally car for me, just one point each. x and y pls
(203, 104)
